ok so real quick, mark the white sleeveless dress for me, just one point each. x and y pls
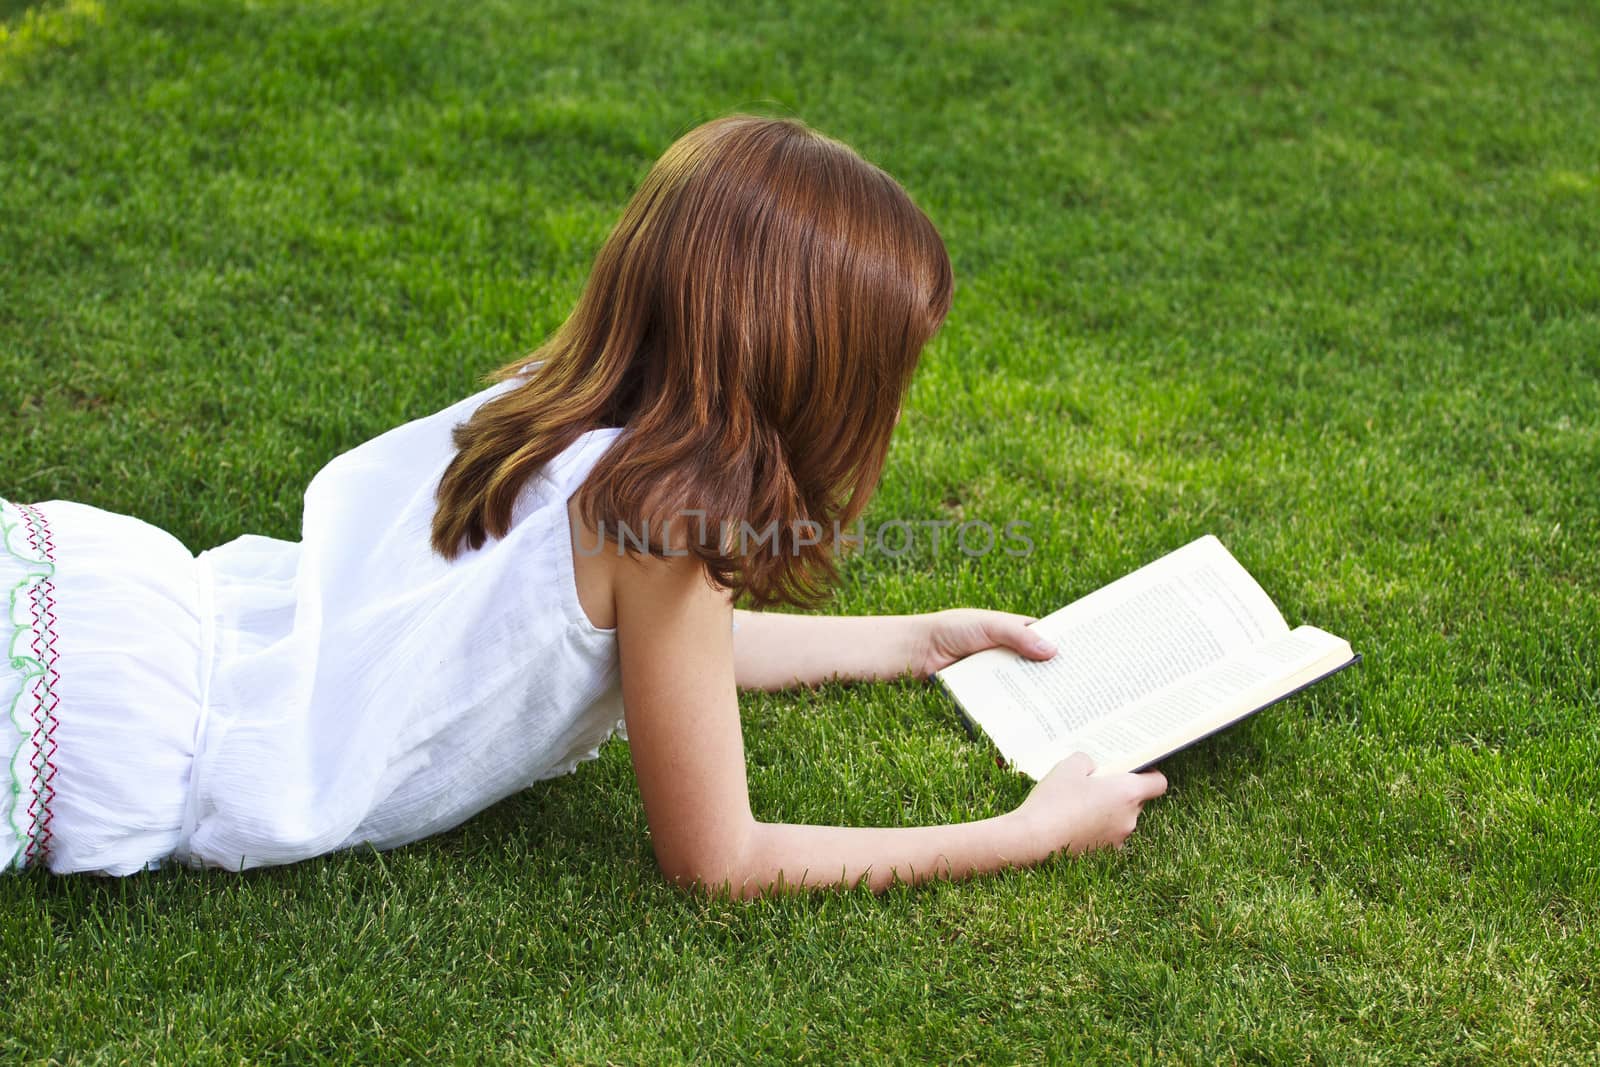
(268, 700)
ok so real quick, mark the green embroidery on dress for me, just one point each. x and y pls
(29, 669)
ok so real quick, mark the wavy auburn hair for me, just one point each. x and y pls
(752, 323)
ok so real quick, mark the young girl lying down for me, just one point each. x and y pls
(481, 597)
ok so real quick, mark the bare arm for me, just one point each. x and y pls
(678, 684)
(773, 650)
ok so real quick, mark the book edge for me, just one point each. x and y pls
(1354, 659)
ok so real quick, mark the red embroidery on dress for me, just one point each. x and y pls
(42, 603)
(38, 531)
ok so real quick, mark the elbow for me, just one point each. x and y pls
(716, 866)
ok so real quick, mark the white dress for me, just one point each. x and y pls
(268, 700)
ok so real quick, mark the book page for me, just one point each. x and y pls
(1168, 620)
(1203, 703)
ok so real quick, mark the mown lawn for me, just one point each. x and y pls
(1323, 279)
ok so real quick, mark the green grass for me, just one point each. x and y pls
(1318, 278)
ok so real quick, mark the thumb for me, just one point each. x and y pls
(1154, 783)
(1078, 763)
(1014, 634)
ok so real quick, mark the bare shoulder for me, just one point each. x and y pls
(601, 567)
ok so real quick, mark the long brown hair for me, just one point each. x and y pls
(752, 322)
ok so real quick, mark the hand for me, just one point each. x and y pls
(958, 632)
(1072, 809)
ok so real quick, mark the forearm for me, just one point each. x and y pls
(794, 855)
(772, 650)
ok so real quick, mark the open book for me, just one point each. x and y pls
(1145, 666)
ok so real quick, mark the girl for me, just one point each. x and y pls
(481, 597)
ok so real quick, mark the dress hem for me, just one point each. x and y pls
(31, 661)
